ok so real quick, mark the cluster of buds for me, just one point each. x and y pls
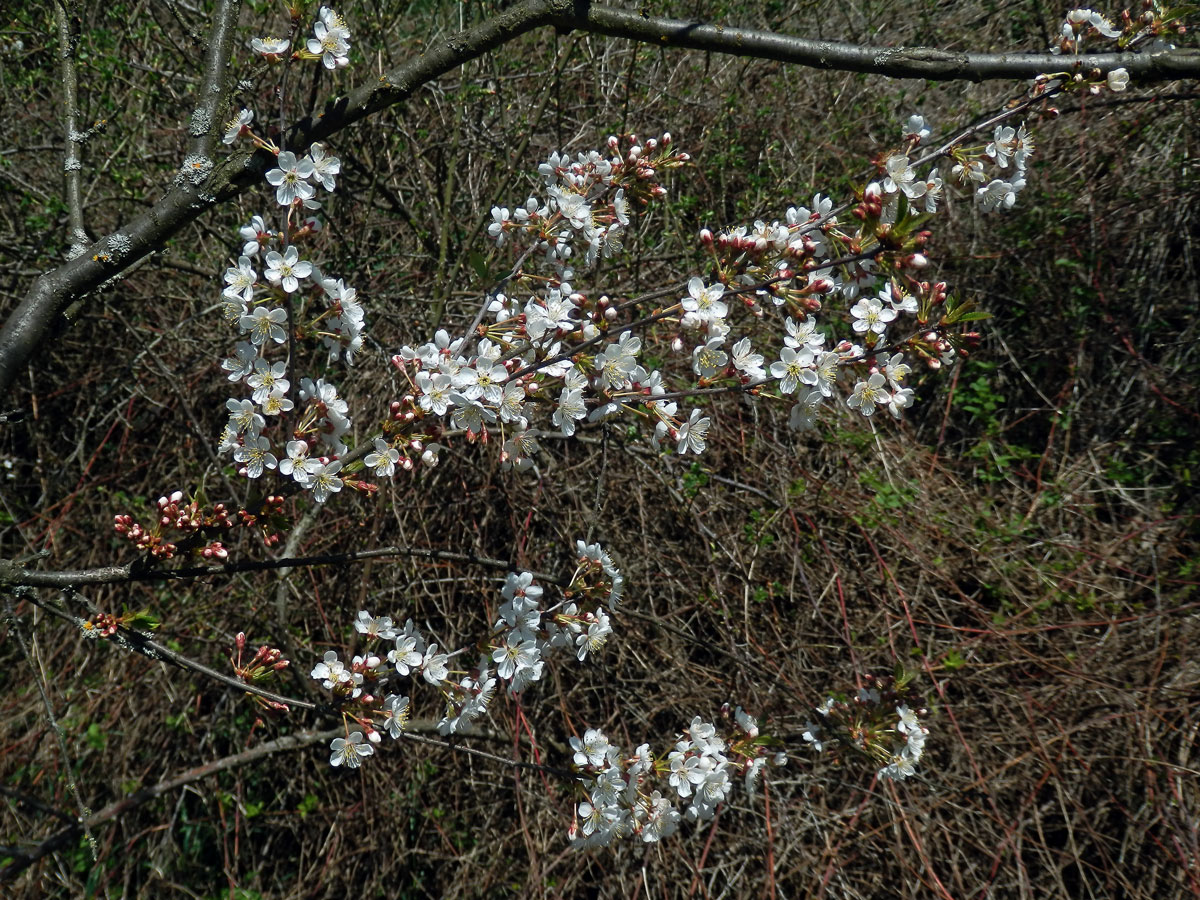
(188, 525)
(189, 516)
(264, 664)
(101, 625)
(146, 541)
(883, 722)
(105, 625)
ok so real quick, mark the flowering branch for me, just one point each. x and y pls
(53, 292)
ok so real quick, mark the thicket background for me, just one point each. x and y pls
(1026, 539)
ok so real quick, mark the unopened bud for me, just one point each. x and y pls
(611, 314)
(916, 261)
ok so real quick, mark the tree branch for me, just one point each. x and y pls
(67, 21)
(204, 126)
(15, 575)
(24, 859)
(890, 62)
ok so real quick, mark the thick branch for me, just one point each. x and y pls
(204, 126)
(195, 192)
(891, 62)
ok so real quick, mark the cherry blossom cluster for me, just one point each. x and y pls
(1149, 30)
(636, 794)
(524, 636)
(330, 42)
(496, 380)
(883, 722)
(786, 272)
(291, 301)
(178, 522)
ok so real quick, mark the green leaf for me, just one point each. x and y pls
(974, 316)
(479, 264)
